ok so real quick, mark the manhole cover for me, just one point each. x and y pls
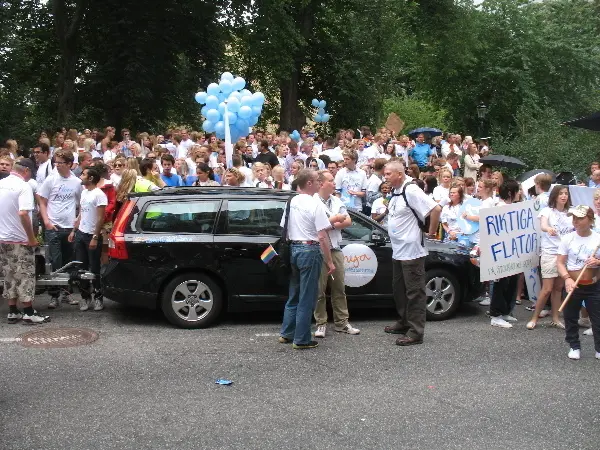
(58, 337)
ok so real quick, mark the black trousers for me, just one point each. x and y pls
(591, 295)
(503, 297)
(91, 261)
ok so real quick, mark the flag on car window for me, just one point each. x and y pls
(268, 254)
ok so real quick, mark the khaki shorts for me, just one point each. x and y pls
(548, 266)
(17, 263)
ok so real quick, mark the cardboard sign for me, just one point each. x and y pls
(510, 240)
(394, 123)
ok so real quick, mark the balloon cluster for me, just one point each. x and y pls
(295, 135)
(321, 116)
(243, 107)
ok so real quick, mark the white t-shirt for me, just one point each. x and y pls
(450, 215)
(43, 171)
(403, 228)
(333, 206)
(373, 184)
(187, 143)
(335, 154)
(307, 217)
(63, 196)
(543, 199)
(441, 195)
(578, 249)
(489, 202)
(351, 180)
(116, 179)
(15, 195)
(249, 176)
(182, 151)
(379, 207)
(90, 200)
(367, 154)
(563, 225)
(109, 156)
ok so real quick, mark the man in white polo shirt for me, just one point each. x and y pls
(408, 252)
(17, 243)
(338, 219)
(307, 231)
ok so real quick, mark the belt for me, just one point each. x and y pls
(306, 242)
(588, 282)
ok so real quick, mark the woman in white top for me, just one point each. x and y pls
(278, 173)
(554, 223)
(261, 176)
(118, 167)
(450, 213)
(472, 163)
(440, 193)
(576, 250)
(379, 209)
(390, 152)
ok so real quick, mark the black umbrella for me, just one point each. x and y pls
(428, 132)
(591, 122)
(535, 172)
(503, 161)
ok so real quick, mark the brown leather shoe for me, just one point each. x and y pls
(394, 329)
(404, 341)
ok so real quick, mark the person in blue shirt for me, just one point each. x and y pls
(169, 176)
(422, 152)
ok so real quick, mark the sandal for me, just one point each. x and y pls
(531, 325)
(559, 325)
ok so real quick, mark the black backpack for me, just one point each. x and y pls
(424, 226)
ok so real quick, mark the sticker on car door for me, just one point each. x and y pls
(360, 265)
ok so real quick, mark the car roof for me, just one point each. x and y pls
(226, 191)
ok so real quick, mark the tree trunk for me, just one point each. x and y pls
(291, 116)
(67, 32)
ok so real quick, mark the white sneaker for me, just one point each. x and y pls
(14, 317)
(544, 313)
(485, 302)
(348, 329)
(500, 322)
(584, 322)
(321, 331)
(589, 332)
(98, 304)
(597, 355)
(54, 303)
(574, 354)
(84, 304)
(33, 319)
(510, 318)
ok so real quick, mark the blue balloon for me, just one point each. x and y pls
(326, 117)
(258, 98)
(222, 108)
(322, 104)
(242, 125)
(236, 94)
(256, 110)
(232, 117)
(238, 83)
(315, 102)
(213, 115)
(318, 118)
(245, 112)
(321, 111)
(253, 120)
(213, 89)
(220, 135)
(226, 87)
(227, 76)
(201, 97)
(212, 102)
(208, 126)
(220, 127)
(245, 92)
(222, 97)
(246, 100)
(233, 105)
(204, 110)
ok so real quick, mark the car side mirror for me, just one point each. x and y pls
(378, 238)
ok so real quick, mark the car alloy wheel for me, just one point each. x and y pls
(192, 300)
(443, 294)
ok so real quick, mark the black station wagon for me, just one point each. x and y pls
(195, 252)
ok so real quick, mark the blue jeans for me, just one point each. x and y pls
(306, 261)
(60, 250)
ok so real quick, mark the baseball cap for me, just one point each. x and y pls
(26, 163)
(581, 211)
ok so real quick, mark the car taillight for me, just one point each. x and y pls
(116, 242)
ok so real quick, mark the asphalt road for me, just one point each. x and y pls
(146, 385)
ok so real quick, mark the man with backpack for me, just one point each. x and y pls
(409, 209)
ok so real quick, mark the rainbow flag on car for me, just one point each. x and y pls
(268, 254)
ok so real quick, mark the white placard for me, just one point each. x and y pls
(510, 240)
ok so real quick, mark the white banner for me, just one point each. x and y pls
(509, 240)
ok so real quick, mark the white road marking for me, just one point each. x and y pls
(9, 340)
(266, 334)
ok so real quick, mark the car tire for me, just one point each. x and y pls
(443, 293)
(189, 289)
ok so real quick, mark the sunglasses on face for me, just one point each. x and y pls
(118, 165)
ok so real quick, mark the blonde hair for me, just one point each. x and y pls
(126, 185)
(257, 166)
(237, 174)
(132, 163)
(88, 144)
(12, 146)
(443, 171)
(183, 169)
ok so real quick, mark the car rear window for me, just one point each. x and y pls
(255, 217)
(180, 217)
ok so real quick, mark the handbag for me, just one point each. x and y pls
(281, 262)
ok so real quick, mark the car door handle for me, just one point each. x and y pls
(237, 249)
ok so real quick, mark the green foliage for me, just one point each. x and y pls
(415, 113)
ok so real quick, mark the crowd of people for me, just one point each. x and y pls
(68, 188)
